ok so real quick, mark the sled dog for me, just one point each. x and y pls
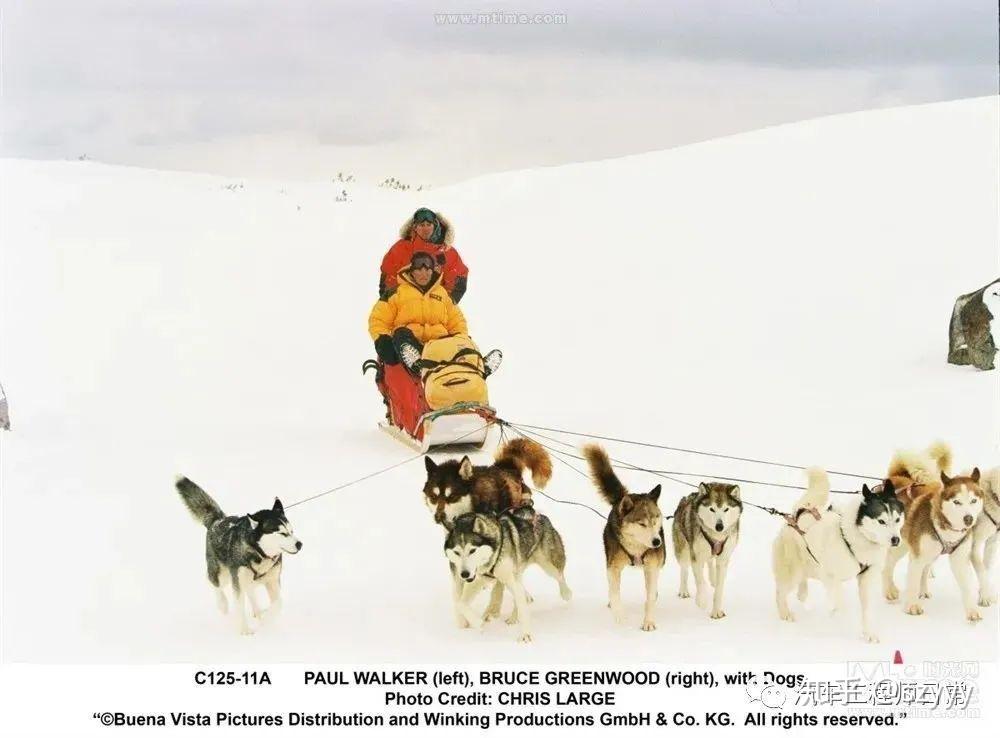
(940, 518)
(835, 545)
(454, 488)
(242, 552)
(986, 536)
(633, 535)
(706, 530)
(914, 473)
(486, 547)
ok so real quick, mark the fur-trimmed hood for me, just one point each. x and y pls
(447, 230)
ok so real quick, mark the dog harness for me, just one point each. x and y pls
(263, 557)
(640, 560)
(536, 523)
(863, 567)
(793, 523)
(949, 548)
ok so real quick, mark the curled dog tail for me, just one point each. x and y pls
(922, 467)
(202, 507)
(609, 486)
(523, 453)
(816, 497)
(940, 452)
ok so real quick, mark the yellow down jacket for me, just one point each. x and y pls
(430, 314)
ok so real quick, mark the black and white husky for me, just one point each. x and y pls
(242, 552)
(835, 545)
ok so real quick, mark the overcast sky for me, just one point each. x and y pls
(304, 88)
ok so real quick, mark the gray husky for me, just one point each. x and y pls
(242, 552)
(484, 547)
(706, 530)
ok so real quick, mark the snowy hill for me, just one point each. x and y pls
(782, 294)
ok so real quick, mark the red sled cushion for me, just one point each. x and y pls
(406, 398)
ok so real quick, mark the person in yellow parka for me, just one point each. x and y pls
(419, 311)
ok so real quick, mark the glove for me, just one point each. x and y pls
(385, 349)
(461, 284)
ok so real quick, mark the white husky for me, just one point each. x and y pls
(836, 545)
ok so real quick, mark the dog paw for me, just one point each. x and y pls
(892, 594)
(973, 616)
(246, 630)
(925, 595)
(618, 615)
(914, 609)
(701, 602)
(524, 638)
(787, 616)
(647, 626)
(684, 594)
(987, 600)
(511, 619)
(870, 638)
(461, 622)
(566, 593)
(717, 614)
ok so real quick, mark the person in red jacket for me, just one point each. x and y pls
(430, 232)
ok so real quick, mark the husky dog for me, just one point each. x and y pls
(454, 488)
(706, 530)
(835, 545)
(633, 535)
(939, 520)
(986, 535)
(483, 547)
(914, 473)
(242, 552)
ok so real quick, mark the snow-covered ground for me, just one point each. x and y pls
(782, 294)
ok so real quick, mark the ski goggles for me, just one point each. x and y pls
(422, 262)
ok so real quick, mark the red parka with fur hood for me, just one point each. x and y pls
(454, 273)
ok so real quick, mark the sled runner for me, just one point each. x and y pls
(447, 404)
